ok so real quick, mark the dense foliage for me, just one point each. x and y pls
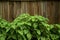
(4, 28)
(27, 27)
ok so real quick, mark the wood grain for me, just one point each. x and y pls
(50, 10)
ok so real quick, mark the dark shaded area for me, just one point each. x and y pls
(28, 0)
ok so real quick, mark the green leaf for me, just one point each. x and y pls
(29, 24)
(38, 32)
(35, 25)
(20, 32)
(26, 31)
(54, 36)
(29, 36)
(57, 25)
(59, 31)
(43, 38)
(50, 27)
(24, 37)
(2, 38)
(13, 26)
(38, 37)
(7, 30)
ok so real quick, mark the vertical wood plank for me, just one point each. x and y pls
(44, 9)
(0, 9)
(35, 9)
(51, 12)
(17, 9)
(23, 7)
(56, 12)
(10, 11)
(5, 10)
(59, 14)
(3, 16)
(39, 8)
(31, 11)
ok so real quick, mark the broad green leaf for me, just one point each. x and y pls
(2, 38)
(50, 27)
(29, 24)
(38, 37)
(7, 29)
(20, 32)
(38, 32)
(43, 38)
(54, 36)
(29, 36)
(26, 31)
(35, 25)
(59, 31)
(13, 26)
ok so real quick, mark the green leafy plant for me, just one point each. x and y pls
(54, 32)
(31, 27)
(27, 27)
(4, 27)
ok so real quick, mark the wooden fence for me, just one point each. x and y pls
(51, 10)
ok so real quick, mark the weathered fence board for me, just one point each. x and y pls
(51, 10)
